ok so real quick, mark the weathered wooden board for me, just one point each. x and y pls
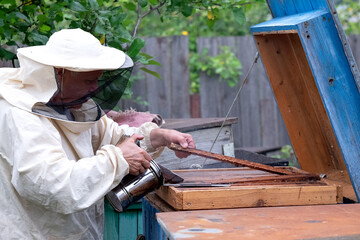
(169, 96)
(244, 195)
(204, 131)
(300, 222)
(194, 124)
(305, 117)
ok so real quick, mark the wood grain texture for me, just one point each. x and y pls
(255, 195)
(248, 196)
(316, 82)
(300, 103)
(298, 222)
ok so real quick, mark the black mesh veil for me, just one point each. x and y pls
(112, 85)
(93, 104)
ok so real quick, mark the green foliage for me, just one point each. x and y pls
(231, 19)
(32, 23)
(225, 65)
(285, 152)
(225, 20)
(349, 14)
(116, 23)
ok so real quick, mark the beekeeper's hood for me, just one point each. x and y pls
(69, 63)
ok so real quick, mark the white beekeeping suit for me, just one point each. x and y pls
(55, 169)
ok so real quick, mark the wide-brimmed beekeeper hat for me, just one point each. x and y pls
(38, 82)
(77, 50)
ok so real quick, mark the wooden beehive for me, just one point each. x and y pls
(316, 84)
(249, 188)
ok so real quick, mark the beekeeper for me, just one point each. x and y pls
(59, 153)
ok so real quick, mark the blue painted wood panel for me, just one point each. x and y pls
(280, 8)
(337, 88)
(151, 227)
(332, 66)
(286, 23)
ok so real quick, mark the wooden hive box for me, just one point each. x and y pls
(316, 84)
(315, 81)
(245, 192)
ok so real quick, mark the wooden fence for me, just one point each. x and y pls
(169, 96)
(260, 123)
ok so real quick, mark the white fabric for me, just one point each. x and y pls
(53, 173)
(77, 50)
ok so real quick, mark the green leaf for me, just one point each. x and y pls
(145, 61)
(206, 3)
(119, 19)
(210, 23)
(127, 22)
(39, 38)
(135, 47)
(239, 15)
(154, 2)
(22, 16)
(147, 56)
(78, 7)
(94, 4)
(12, 2)
(122, 33)
(75, 24)
(130, 6)
(143, 3)
(59, 17)
(151, 72)
(100, 2)
(124, 40)
(5, 54)
(45, 28)
(177, 3)
(141, 59)
(43, 18)
(187, 10)
(115, 44)
(153, 62)
(100, 29)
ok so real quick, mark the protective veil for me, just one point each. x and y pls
(58, 161)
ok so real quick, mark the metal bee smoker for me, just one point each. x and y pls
(133, 188)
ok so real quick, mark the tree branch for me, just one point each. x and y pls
(139, 16)
(154, 8)
(138, 8)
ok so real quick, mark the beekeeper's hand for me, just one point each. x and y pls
(137, 158)
(164, 137)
